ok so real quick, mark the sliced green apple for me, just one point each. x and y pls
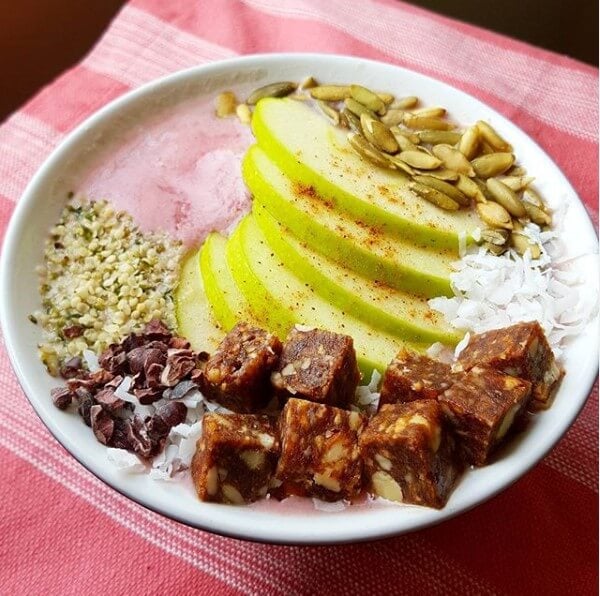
(397, 313)
(192, 309)
(227, 303)
(267, 283)
(364, 249)
(314, 153)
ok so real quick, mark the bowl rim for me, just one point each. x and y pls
(19, 216)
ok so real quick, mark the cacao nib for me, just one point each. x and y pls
(148, 395)
(167, 416)
(153, 374)
(120, 437)
(179, 364)
(113, 359)
(137, 434)
(114, 382)
(108, 400)
(86, 401)
(61, 397)
(73, 331)
(102, 424)
(197, 375)
(180, 390)
(101, 377)
(156, 330)
(71, 368)
(179, 343)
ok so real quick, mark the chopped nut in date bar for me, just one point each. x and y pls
(481, 406)
(235, 458)
(409, 454)
(319, 451)
(237, 374)
(319, 366)
(520, 350)
(411, 376)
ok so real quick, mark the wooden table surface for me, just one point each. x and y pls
(41, 38)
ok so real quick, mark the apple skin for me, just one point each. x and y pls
(387, 203)
(192, 307)
(282, 300)
(313, 222)
(227, 303)
(406, 317)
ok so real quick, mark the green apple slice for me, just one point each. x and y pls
(227, 303)
(192, 308)
(267, 283)
(313, 152)
(364, 249)
(397, 313)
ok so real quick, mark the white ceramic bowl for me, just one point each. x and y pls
(296, 522)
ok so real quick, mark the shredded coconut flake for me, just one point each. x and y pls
(125, 461)
(91, 360)
(498, 291)
(333, 507)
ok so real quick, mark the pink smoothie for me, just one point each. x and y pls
(179, 172)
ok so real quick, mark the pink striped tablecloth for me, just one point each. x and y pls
(64, 532)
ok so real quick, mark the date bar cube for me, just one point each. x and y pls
(237, 375)
(411, 376)
(235, 458)
(318, 366)
(319, 451)
(409, 455)
(520, 350)
(481, 407)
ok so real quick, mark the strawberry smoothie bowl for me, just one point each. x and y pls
(302, 288)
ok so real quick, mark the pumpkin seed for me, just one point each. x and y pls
(433, 112)
(495, 236)
(401, 165)
(516, 183)
(533, 197)
(495, 215)
(517, 171)
(272, 90)
(405, 103)
(506, 197)
(244, 114)
(308, 83)
(434, 196)
(420, 160)
(483, 189)
(495, 249)
(469, 142)
(367, 151)
(435, 137)
(522, 244)
(421, 122)
(358, 108)
(537, 215)
(444, 187)
(403, 140)
(488, 166)
(386, 98)
(330, 92)
(492, 137)
(444, 174)
(393, 117)
(367, 98)
(225, 104)
(332, 114)
(470, 188)
(350, 120)
(453, 159)
(378, 134)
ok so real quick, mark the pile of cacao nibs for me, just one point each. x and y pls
(146, 368)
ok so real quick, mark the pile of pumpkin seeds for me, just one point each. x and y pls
(449, 167)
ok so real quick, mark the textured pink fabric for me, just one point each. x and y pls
(64, 532)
